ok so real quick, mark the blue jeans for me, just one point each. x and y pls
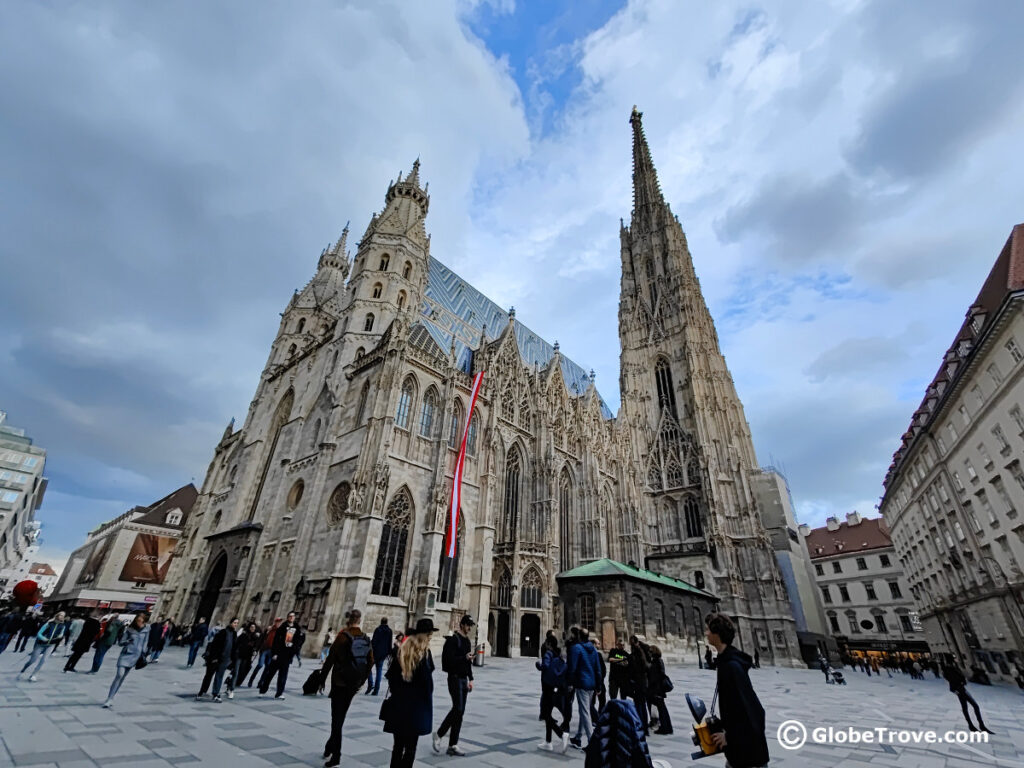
(193, 649)
(261, 662)
(5, 638)
(97, 659)
(120, 674)
(373, 684)
(38, 655)
(584, 701)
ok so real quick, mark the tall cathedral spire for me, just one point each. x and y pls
(646, 190)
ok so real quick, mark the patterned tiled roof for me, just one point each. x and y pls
(452, 307)
(608, 567)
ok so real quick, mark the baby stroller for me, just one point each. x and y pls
(835, 677)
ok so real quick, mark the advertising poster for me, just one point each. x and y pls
(95, 561)
(149, 559)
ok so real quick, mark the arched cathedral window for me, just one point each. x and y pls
(565, 519)
(387, 577)
(454, 434)
(368, 325)
(693, 471)
(513, 472)
(504, 591)
(404, 404)
(302, 324)
(384, 261)
(427, 413)
(401, 299)
(471, 435)
(508, 407)
(531, 594)
(663, 379)
(407, 270)
(448, 569)
(338, 504)
(669, 522)
(378, 289)
(524, 413)
(691, 511)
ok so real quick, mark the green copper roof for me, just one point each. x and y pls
(608, 567)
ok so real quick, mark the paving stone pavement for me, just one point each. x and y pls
(58, 721)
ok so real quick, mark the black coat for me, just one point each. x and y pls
(742, 713)
(453, 656)
(381, 642)
(90, 630)
(249, 643)
(639, 666)
(279, 646)
(618, 739)
(223, 648)
(412, 708)
(656, 679)
(339, 661)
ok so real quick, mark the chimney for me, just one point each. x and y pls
(832, 523)
(853, 518)
(805, 529)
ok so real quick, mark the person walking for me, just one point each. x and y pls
(47, 638)
(159, 636)
(75, 629)
(287, 644)
(742, 738)
(89, 634)
(29, 627)
(584, 671)
(325, 647)
(709, 661)
(220, 656)
(639, 664)
(64, 636)
(618, 671)
(658, 688)
(109, 631)
(381, 649)
(250, 641)
(348, 664)
(553, 674)
(958, 685)
(408, 711)
(196, 639)
(133, 644)
(457, 661)
(10, 626)
(267, 649)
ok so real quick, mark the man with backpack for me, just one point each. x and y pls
(382, 638)
(457, 661)
(348, 664)
(585, 670)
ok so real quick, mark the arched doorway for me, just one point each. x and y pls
(529, 635)
(214, 582)
(502, 640)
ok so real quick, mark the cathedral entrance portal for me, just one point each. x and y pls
(208, 598)
(529, 635)
(501, 640)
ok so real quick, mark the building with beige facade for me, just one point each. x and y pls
(22, 486)
(863, 590)
(335, 490)
(954, 491)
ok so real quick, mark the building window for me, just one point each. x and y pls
(368, 324)
(524, 413)
(833, 621)
(826, 595)
(407, 270)
(880, 624)
(404, 404)
(1014, 350)
(905, 623)
(951, 429)
(870, 589)
(1004, 497)
(361, 410)
(957, 481)
(295, 494)
(818, 569)
(387, 576)
(1004, 444)
(993, 371)
(837, 567)
(941, 443)
(456, 422)
(986, 507)
(1018, 474)
(384, 261)
(885, 560)
(378, 289)
(637, 615)
(983, 452)
(471, 435)
(513, 470)
(854, 626)
(508, 408)
(894, 591)
(844, 593)
(587, 616)
(1018, 418)
(971, 474)
(565, 517)
(531, 593)
(401, 299)
(962, 410)
(663, 381)
(959, 531)
(448, 570)
(337, 505)
(427, 413)
(505, 589)
(862, 564)
(659, 618)
(979, 399)
(691, 511)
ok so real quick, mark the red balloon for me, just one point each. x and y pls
(26, 593)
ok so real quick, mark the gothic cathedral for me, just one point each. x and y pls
(334, 492)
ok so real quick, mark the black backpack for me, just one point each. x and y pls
(356, 667)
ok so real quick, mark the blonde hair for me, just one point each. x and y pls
(412, 652)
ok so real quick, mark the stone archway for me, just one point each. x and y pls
(211, 592)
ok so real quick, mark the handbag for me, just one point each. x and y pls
(387, 706)
(666, 685)
(141, 663)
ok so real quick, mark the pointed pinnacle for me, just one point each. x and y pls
(414, 177)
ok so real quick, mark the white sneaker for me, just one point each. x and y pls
(456, 750)
(565, 742)
(436, 740)
(108, 704)
(231, 694)
(279, 697)
(546, 746)
(32, 678)
(261, 695)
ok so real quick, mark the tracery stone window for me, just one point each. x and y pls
(471, 436)
(368, 325)
(387, 577)
(337, 505)
(513, 472)
(508, 408)
(524, 413)
(637, 614)
(448, 568)
(691, 511)
(504, 591)
(427, 413)
(361, 410)
(669, 522)
(531, 594)
(693, 471)
(404, 404)
(565, 519)
(378, 289)
(385, 260)
(454, 432)
(587, 613)
(663, 380)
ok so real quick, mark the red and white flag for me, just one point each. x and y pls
(453, 513)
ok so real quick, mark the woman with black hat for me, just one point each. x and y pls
(408, 712)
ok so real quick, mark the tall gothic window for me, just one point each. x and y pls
(302, 324)
(691, 511)
(587, 614)
(378, 289)
(407, 270)
(387, 577)
(471, 435)
(637, 615)
(508, 408)
(693, 471)
(401, 299)
(454, 434)
(504, 589)
(404, 404)
(663, 379)
(513, 471)
(532, 591)
(427, 413)
(448, 570)
(368, 325)
(361, 410)
(281, 417)
(384, 261)
(524, 413)
(565, 519)
(659, 618)
(669, 522)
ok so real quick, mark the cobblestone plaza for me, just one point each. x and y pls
(58, 720)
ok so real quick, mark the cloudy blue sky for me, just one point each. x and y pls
(846, 172)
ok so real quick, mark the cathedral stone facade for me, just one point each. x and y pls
(335, 490)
